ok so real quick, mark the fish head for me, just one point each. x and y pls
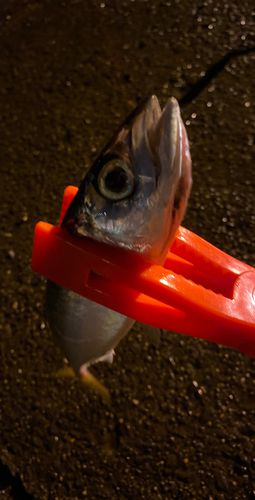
(135, 194)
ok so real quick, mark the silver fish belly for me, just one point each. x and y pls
(85, 331)
(133, 197)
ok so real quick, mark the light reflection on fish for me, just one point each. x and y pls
(133, 197)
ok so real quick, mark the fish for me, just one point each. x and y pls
(133, 197)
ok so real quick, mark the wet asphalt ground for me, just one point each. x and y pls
(182, 420)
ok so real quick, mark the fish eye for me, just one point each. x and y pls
(116, 180)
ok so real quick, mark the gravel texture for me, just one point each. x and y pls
(182, 420)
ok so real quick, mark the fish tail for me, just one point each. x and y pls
(66, 372)
(90, 381)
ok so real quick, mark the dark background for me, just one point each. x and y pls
(182, 420)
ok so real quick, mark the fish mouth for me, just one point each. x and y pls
(153, 144)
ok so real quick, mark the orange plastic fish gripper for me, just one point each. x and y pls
(199, 291)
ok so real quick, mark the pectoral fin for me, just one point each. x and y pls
(153, 334)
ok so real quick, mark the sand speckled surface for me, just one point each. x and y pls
(182, 420)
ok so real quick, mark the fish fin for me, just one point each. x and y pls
(153, 334)
(106, 357)
(66, 372)
(90, 381)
